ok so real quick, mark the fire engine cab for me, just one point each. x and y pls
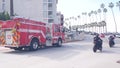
(22, 33)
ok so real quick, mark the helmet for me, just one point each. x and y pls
(97, 35)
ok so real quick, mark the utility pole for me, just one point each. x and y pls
(11, 8)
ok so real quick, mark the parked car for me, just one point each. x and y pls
(117, 36)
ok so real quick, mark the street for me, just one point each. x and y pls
(77, 54)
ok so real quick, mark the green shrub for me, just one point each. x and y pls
(4, 16)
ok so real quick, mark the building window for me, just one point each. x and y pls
(3, 0)
(50, 20)
(50, 14)
(45, 0)
(50, 5)
(45, 6)
(45, 14)
(3, 6)
(50, 0)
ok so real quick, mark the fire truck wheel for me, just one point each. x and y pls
(59, 43)
(34, 45)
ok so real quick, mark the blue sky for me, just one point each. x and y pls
(75, 7)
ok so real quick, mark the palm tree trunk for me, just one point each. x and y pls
(100, 16)
(99, 29)
(106, 23)
(70, 26)
(114, 21)
(105, 28)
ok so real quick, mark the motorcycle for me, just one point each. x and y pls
(97, 46)
(111, 41)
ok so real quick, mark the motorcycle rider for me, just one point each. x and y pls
(111, 41)
(97, 43)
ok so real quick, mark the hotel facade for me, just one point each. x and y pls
(39, 10)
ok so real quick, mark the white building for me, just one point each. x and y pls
(4, 5)
(40, 10)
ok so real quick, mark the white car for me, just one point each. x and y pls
(117, 36)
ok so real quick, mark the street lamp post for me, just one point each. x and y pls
(11, 8)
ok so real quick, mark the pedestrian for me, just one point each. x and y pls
(111, 41)
(97, 43)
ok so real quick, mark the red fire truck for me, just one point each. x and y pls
(22, 33)
(1, 22)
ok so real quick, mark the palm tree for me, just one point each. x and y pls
(89, 14)
(84, 17)
(99, 11)
(111, 5)
(70, 21)
(118, 4)
(95, 12)
(79, 20)
(102, 5)
(104, 14)
(92, 16)
(75, 21)
(84, 13)
(88, 25)
(95, 25)
(80, 27)
(85, 26)
(11, 8)
(105, 11)
(92, 27)
(103, 25)
(66, 21)
(100, 25)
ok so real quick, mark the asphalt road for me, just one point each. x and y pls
(71, 55)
